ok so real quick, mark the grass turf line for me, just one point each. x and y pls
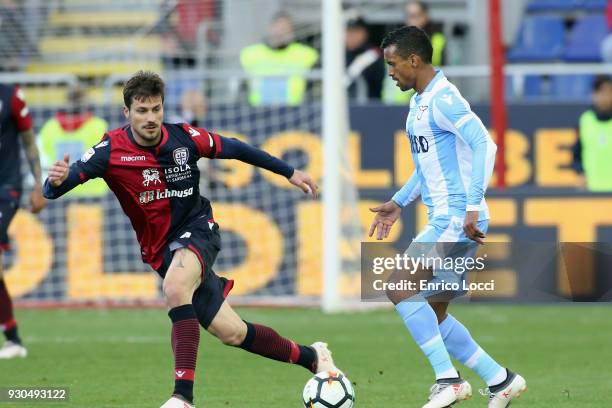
(122, 358)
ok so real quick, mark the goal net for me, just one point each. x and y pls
(82, 249)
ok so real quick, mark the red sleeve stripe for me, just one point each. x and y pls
(218, 144)
(20, 111)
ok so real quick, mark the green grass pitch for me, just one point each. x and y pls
(122, 358)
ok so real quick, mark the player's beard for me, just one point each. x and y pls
(149, 136)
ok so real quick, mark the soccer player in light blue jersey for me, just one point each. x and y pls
(454, 157)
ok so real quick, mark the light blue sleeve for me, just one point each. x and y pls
(452, 113)
(409, 192)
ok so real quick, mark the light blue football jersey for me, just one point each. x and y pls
(452, 151)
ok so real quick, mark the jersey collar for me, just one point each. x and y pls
(439, 75)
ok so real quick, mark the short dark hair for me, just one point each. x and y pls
(422, 5)
(600, 81)
(357, 22)
(143, 85)
(409, 40)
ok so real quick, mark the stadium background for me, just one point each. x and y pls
(82, 251)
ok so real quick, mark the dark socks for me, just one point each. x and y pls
(266, 342)
(185, 341)
(7, 320)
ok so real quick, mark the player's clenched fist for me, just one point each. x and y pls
(59, 171)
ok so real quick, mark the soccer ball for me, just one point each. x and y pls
(328, 390)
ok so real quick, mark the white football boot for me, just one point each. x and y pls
(12, 350)
(448, 391)
(325, 362)
(501, 395)
(176, 402)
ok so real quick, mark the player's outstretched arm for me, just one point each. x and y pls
(235, 149)
(61, 178)
(389, 212)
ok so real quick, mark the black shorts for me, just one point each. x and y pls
(201, 236)
(8, 208)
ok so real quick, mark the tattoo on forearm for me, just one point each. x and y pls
(31, 151)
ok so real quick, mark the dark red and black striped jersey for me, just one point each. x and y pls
(14, 118)
(156, 186)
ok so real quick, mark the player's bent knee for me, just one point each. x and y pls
(235, 338)
(398, 288)
(233, 335)
(399, 296)
(176, 293)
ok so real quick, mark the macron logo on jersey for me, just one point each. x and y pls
(133, 158)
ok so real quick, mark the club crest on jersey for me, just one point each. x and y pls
(150, 175)
(180, 155)
(422, 110)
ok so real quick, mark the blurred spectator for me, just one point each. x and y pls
(73, 130)
(191, 14)
(180, 24)
(606, 45)
(364, 62)
(593, 149)
(417, 14)
(193, 107)
(193, 110)
(15, 44)
(277, 65)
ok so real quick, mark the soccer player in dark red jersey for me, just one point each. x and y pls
(151, 167)
(15, 124)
